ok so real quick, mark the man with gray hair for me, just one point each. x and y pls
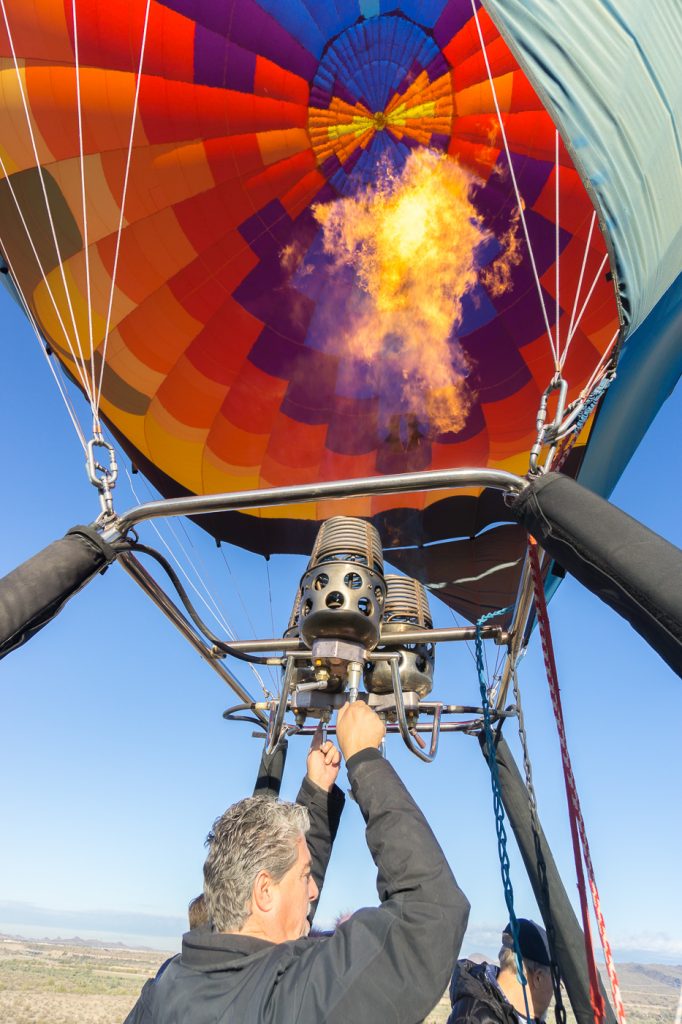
(262, 874)
(486, 994)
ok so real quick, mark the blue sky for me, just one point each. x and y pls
(116, 758)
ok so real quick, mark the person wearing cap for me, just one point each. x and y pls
(486, 994)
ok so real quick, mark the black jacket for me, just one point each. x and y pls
(389, 963)
(476, 1000)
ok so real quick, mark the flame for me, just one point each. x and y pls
(496, 277)
(411, 242)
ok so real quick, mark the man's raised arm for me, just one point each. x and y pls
(324, 800)
(392, 962)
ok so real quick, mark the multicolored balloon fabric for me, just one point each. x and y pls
(280, 243)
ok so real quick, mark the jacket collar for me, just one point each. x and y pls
(205, 950)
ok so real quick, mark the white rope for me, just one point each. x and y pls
(467, 643)
(514, 182)
(64, 393)
(597, 373)
(574, 322)
(582, 274)
(223, 619)
(557, 255)
(123, 201)
(214, 611)
(41, 344)
(576, 325)
(244, 607)
(79, 369)
(84, 380)
(86, 250)
(213, 608)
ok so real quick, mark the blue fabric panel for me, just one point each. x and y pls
(610, 74)
(649, 369)
(424, 12)
(296, 18)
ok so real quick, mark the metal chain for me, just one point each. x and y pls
(498, 809)
(559, 1008)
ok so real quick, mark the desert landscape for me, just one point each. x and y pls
(70, 982)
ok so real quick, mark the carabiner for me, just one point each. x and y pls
(106, 482)
(547, 433)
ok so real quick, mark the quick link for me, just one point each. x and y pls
(548, 433)
(106, 480)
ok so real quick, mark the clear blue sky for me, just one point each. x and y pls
(116, 758)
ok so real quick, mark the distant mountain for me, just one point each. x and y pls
(75, 941)
(656, 974)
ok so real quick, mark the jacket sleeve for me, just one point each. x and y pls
(470, 1010)
(141, 1012)
(325, 814)
(393, 962)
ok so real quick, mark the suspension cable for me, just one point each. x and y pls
(578, 289)
(123, 202)
(86, 248)
(559, 358)
(245, 611)
(602, 366)
(80, 369)
(585, 304)
(39, 168)
(557, 240)
(212, 607)
(519, 203)
(41, 344)
(193, 613)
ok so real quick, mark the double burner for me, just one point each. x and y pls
(345, 605)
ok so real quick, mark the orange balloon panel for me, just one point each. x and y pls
(322, 269)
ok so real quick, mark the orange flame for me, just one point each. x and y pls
(496, 277)
(411, 241)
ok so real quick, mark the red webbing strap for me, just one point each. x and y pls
(577, 823)
(562, 453)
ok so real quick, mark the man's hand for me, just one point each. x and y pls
(357, 728)
(323, 762)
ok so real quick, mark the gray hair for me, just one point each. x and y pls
(256, 834)
(507, 958)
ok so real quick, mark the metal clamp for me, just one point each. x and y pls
(548, 433)
(278, 710)
(403, 724)
(107, 481)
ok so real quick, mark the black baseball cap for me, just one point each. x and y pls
(532, 941)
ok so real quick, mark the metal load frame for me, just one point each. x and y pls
(399, 709)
